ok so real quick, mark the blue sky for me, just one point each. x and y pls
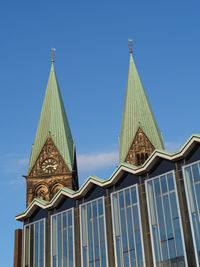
(92, 66)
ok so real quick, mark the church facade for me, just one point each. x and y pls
(145, 214)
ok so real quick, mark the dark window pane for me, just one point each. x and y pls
(170, 181)
(127, 197)
(90, 241)
(41, 243)
(59, 242)
(198, 194)
(119, 250)
(172, 251)
(165, 250)
(156, 243)
(133, 195)
(178, 238)
(163, 184)
(133, 260)
(64, 220)
(36, 243)
(126, 259)
(124, 230)
(167, 216)
(195, 171)
(69, 218)
(103, 254)
(136, 218)
(196, 225)
(100, 206)
(157, 186)
(101, 229)
(65, 252)
(121, 199)
(161, 218)
(130, 228)
(94, 208)
(89, 211)
(173, 205)
(85, 260)
(96, 239)
(190, 186)
(31, 244)
(139, 248)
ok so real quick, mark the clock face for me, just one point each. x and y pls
(49, 165)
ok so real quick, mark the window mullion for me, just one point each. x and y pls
(29, 252)
(61, 230)
(39, 225)
(156, 210)
(93, 233)
(67, 230)
(170, 208)
(194, 187)
(126, 226)
(165, 224)
(87, 233)
(57, 240)
(122, 254)
(133, 225)
(98, 228)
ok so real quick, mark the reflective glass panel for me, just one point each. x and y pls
(62, 229)
(165, 222)
(127, 228)
(192, 186)
(93, 239)
(34, 244)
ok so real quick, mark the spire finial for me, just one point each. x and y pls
(53, 52)
(130, 45)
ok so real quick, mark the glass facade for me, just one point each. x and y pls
(165, 221)
(163, 217)
(63, 239)
(34, 244)
(192, 185)
(127, 228)
(93, 234)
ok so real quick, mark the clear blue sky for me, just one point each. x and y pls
(92, 66)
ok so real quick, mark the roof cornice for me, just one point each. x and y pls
(120, 170)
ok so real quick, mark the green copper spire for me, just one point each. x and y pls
(137, 113)
(53, 122)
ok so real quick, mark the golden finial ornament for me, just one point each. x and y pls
(53, 52)
(130, 45)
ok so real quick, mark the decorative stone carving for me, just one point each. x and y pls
(42, 192)
(43, 184)
(56, 188)
(140, 149)
(49, 151)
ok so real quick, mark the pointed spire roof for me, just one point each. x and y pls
(53, 122)
(137, 113)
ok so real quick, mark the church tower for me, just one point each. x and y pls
(52, 163)
(140, 134)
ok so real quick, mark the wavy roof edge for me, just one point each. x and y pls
(94, 180)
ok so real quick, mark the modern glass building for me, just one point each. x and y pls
(147, 213)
